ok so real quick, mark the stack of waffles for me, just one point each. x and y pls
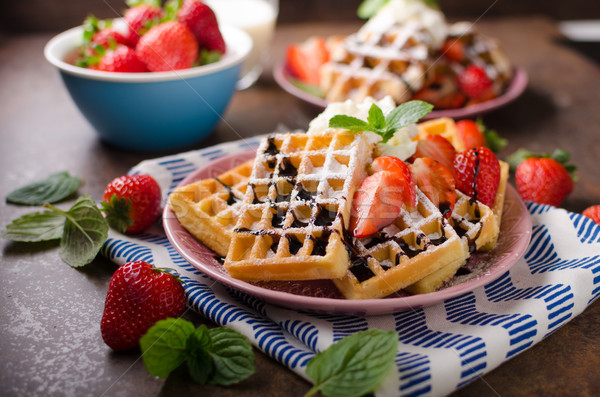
(285, 216)
(408, 50)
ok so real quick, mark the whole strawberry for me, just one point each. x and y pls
(543, 180)
(121, 59)
(202, 21)
(474, 83)
(168, 46)
(138, 296)
(132, 203)
(593, 213)
(139, 17)
(477, 173)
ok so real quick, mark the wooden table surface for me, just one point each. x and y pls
(50, 341)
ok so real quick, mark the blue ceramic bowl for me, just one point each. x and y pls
(152, 111)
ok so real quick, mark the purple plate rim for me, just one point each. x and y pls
(342, 306)
(513, 91)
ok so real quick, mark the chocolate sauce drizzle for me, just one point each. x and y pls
(324, 217)
(294, 244)
(271, 148)
(286, 168)
(231, 198)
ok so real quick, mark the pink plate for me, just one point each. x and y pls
(321, 296)
(514, 90)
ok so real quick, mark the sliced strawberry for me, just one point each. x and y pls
(453, 49)
(469, 133)
(442, 92)
(477, 174)
(401, 172)
(436, 182)
(436, 147)
(377, 203)
(304, 61)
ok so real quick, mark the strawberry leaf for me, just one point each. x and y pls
(117, 213)
(50, 190)
(232, 356)
(35, 227)
(355, 365)
(165, 346)
(85, 231)
(492, 140)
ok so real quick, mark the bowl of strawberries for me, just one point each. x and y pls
(158, 79)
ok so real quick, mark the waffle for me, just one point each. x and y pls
(208, 208)
(477, 224)
(376, 63)
(416, 244)
(295, 209)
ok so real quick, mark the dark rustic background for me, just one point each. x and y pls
(44, 15)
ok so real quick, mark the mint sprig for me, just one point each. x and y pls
(355, 365)
(218, 356)
(368, 8)
(82, 230)
(53, 189)
(384, 125)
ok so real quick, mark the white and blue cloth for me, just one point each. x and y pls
(442, 347)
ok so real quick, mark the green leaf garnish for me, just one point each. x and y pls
(219, 356)
(117, 212)
(232, 356)
(368, 8)
(308, 88)
(407, 113)
(35, 227)
(207, 57)
(85, 231)
(164, 346)
(50, 190)
(560, 155)
(492, 140)
(355, 365)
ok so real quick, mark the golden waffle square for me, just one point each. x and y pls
(376, 63)
(208, 208)
(416, 244)
(443, 126)
(297, 207)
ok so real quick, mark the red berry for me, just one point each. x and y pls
(121, 59)
(469, 133)
(139, 18)
(138, 296)
(436, 182)
(593, 213)
(454, 50)
(401, 172)
(438, 148)
(304, 61)
(378, 201)
(474, 82)
(108, 37)
(168, 46)
(132, 203)
(202, 21)
(477, 174)
(543, 181)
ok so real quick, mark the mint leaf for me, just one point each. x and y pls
(50, 190)
(85, 231)
(348, 123)
(164, 346)
(232, 356)
(376, 119)
(354, 366)
(199, 361)
(34, 227)
(368, 8)
(308, 88)
(407, 113)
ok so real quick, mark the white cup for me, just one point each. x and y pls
(257, 18)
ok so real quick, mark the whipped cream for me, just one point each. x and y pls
(413, 13)
(400, 145)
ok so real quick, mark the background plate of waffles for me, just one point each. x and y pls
(321, 296)
(515, 88)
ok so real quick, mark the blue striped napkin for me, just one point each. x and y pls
(442, 347)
